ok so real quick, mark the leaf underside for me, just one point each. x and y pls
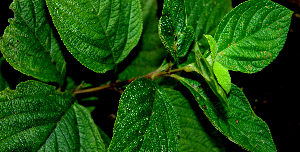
(146, 121)
(35, 117)
(98, 34)
(251, 36)
(28, 43)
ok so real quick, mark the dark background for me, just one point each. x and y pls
(273, 92)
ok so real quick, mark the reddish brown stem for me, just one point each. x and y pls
(150, 76)
(111, 85)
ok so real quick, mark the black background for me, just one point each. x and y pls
(273, 92)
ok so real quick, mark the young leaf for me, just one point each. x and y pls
(222, 75)
(173, 30)
(146, 120)
(194, 135)
(28, 43)
(205, 69)
(98, 34)
(250, 37)
(237, 121)
(213, 46)
(204, 16)
(35, 117)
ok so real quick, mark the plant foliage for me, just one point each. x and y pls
(200, 38)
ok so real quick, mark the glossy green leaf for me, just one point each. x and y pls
(251, 36)
(99, 34)
(35, 117)
(222, 75)
(195, 134)
(173, 30)
(146, 120)
(3, 83)
(237, 121)
(28, 43)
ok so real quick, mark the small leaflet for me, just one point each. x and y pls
(213, 46)
(222, 75)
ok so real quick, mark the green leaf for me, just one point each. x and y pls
(195, 135)
(35, 117)
(204, 16)
(3, 83)
(251, 36)
(90, 109)
(151, 53)
(105, 138)
(89, 137)
(213, 46)
(202, 65)
(173, 30)
(204, 68)
(222, 75)
(99, 35)
(146, 120)
(28, 43)
(237, 121)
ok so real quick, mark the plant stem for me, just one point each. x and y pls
(153, 75)
(96, 89)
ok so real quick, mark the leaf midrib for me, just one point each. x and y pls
(105, 30)
(216, 123)
(241, 40)
(35, 35)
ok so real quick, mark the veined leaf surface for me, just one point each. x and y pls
(204, 16)
(35, 117)
(195, 134)
(152, 52)
(173, 30)
(146, 120)
(28, 43)
(251, 36)
(99, 34)
(237, 121)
